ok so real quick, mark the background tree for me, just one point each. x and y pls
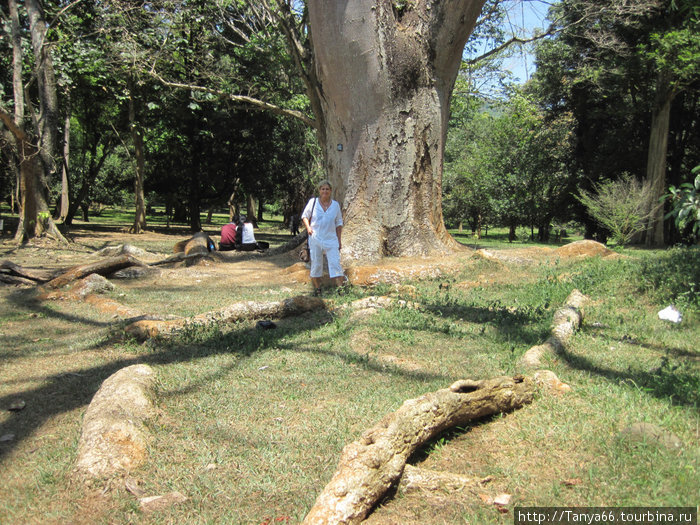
(598, 69)
(35, 145)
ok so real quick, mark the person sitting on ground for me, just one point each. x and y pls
(228, 237)
(245, 237)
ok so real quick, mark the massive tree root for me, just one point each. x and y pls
(372, 464)
(145, 329)
(566, 321)
(114, 437)
(26, 275)
(103, 268)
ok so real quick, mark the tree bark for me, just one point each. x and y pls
(47, 122)
(567, 320)
(114, 435)
(37, 276)
(372, 464)
(103, 268)
(64, 201)
(146, 329)
(250, 209)
(384, 80)
(198, 244)
(656, 160)
(17, 82)
(136, 135)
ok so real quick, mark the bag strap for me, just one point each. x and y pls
(312, 216)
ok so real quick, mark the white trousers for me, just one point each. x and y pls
(333, 256)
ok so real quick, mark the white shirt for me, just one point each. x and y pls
(323, 223)
(248, 237)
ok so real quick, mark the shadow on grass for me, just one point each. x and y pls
(518, 326)
(67, 391)
(676, 382)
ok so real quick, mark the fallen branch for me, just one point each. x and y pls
(7, 278)
(372, 464)
(146, 329)
(566, 321)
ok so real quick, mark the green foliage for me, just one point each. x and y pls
(676, 380)
(671, 277)
(686, 204)
(608, 73)
(621, 206)
(505, 165)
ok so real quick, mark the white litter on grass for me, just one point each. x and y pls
(670, 314)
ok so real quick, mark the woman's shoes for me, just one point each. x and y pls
(317, 292)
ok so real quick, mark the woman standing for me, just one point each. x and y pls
(324, 224)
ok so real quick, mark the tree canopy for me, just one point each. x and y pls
(192, 105)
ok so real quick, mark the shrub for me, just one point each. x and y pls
(621, 206)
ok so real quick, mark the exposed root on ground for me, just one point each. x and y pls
(371, 465)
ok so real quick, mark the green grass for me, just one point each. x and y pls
(497, 237)
(252, 422)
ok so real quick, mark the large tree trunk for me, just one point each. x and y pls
(17, 82)
(656, 159)
(385, 76)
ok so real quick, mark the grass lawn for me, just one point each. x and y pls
(251, 423)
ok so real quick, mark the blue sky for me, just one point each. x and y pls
(523, 17)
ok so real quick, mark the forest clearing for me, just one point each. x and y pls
(250, 421)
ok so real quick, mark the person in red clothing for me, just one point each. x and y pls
(228, 237)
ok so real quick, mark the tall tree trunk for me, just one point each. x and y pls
(136, 135)
(385, 76)
(233, 210)
(17, 82)
(18, 95)
(47, 122)
(64, 201)
(34, 216)
(81, 200)
(656, 159)
(250, 209)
